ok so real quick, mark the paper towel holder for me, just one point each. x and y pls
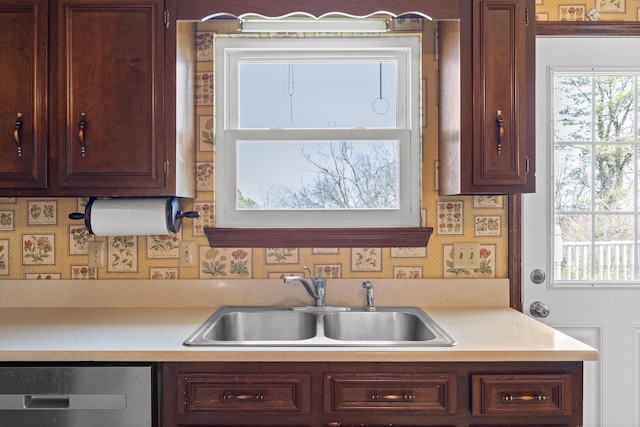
(174, 214)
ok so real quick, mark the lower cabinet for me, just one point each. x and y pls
(341, 394)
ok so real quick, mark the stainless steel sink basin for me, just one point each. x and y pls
(320, 327)
(263, 326)
(377, 326)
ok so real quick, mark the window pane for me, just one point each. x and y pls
(318, 95)
(614, 97)
(613, 247)
(596, 175)
(572, 177)
(572, 247)
(573, 102)
(614, 178)
(317, 175)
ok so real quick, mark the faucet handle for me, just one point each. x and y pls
(313, 279)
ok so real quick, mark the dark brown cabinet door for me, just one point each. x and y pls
(501, 100)
(487, 108)
(23, 95)
(110, 61)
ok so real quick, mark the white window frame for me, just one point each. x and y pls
(405, 50)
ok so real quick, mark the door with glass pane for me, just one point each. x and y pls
(581, 227)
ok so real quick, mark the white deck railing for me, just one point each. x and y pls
(611, 261)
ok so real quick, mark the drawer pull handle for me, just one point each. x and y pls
(231, 396)
(392, 397)
(535, 397)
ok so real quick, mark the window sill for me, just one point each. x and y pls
(318, 237)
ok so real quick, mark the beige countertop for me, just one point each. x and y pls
(154, 334)
(131, 321)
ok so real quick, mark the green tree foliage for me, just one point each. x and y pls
(598, 109)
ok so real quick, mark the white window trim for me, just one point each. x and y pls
(553, 249)
(407, 50)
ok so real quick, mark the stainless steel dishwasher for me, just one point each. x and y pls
(76, 396)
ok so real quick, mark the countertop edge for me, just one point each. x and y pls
(294, 356)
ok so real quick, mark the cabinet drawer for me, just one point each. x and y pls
(521, 395)
(244, 393)
(430, 393)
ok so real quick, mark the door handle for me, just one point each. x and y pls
(539, 309)
(538, 276)
(81, 134)
(17, 130)
(500, 124)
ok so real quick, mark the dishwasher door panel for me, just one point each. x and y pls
(78, 396)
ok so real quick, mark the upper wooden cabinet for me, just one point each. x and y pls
(113, 100)
(487, 99)
(110, 111)
(23, 94)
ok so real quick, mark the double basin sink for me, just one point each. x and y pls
(319, 326)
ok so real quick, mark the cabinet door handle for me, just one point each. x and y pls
(81, 135)
(535, 397)
(392, 397)
(500, 122)
(17, 130)
(230, 396)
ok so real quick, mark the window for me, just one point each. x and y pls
(596, 171)
(318, 132)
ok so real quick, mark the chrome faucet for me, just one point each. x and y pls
(318, 283)
(369, 287)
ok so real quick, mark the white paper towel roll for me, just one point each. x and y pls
(126, 217)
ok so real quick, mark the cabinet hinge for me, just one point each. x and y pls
(526, 16)
(166, 166)
(166, 18)
(526, 165)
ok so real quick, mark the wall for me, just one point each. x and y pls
(38, 241)
(608, 10)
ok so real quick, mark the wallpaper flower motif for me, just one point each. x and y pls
(225, 263)
(206, 218)
(239, 263)
(42, 212)
(163, 273)
(366, 259)
(204, 45)
(450, 215)
(163, 246)
(38, 249)
(4, 256)
(205, 132)
(282, 255)
(84, 272)
(204, 89)
(80, 238)
(204, 173)
(614, 6)
(122, 254)
(487, 225)
(6, 220)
